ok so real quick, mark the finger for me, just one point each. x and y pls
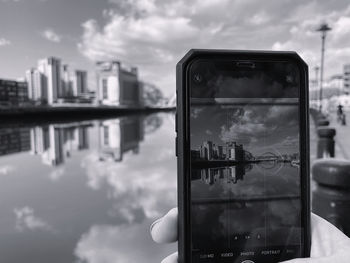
(164, 230)
(326, 238)
(170, 259)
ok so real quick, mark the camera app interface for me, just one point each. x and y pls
(245, 162)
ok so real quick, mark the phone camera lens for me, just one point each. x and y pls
(197, 78)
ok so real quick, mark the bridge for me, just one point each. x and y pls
(268, 156)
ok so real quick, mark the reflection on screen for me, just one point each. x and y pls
(245, 157)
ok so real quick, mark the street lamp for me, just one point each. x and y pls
(323, 29)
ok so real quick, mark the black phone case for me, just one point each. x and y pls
(183, 143)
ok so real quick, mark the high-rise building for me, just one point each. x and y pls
(51, 69)
(67, 85)
(346, 78)
(118, 85)
(206, 150)
(37, 90)
(79, 82)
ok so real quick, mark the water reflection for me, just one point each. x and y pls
(86, 191)
(14, 140)
(55, 143)
(117, 137)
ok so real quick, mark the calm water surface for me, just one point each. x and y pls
(86, 191)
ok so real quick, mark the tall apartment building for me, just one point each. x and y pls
(79, 82)
(52, 71)
(118, 84)
(67, 85)
(37, 89)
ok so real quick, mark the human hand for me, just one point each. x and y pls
(329, 244)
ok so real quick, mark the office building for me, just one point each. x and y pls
(67, 84)
(118, 84)
(13, 93)
(37, 90)
(52, 72)
(79, 82)
(206, 150)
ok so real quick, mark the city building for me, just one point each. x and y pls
(14, 140)
(207, 150)
(231, 151)
(346, 77)
(13, 93)
(37, 90)
(79, 81)
(118, 85)
(119, 136)
(51, 69)
(67, 84)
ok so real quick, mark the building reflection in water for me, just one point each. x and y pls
(119, 136)
(14, 140)
(56, 142)
(230, 174)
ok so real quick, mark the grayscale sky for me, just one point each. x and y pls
(154, 34)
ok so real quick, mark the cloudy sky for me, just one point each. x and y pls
(257, 127)
(154, 34)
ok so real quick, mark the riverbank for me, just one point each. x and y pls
(73, 110)
(43, 114)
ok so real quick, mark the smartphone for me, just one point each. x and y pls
(243, 157)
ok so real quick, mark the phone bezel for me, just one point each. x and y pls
(183, 139)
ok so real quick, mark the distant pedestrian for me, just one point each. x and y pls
(341, 118)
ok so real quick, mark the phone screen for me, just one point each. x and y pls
(245, 161)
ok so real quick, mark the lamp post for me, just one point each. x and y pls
(323, 29)
(317, 68)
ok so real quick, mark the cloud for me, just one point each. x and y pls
(108, 243)
(155, 34)
(260, 122)
(4, 42)
(26, 219)
(56, 174)
(50, 35)
(137, 183)
(6, 169)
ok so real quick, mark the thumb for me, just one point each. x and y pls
(164, 230)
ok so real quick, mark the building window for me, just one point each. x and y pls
(104, 89)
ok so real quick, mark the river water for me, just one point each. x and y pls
(86, 191)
